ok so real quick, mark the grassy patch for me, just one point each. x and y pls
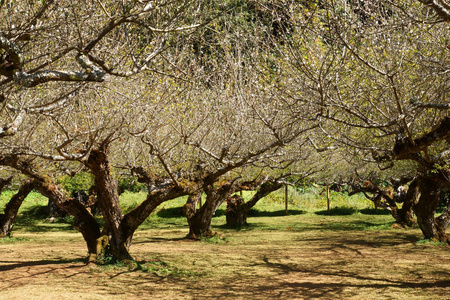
(11, 239)
(154, 266)
(430, 242)
(164, 269)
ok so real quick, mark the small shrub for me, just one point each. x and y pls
(130, 184)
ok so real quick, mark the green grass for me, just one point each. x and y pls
(10, 240)
(33, 200)
(306, 209)
(430, 242)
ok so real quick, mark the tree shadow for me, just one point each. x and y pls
(277, 213)
(11, 266)
(386, 240)
(373, 211)
(172, 212)
(337, 211)
(312, 290)
(162, 239)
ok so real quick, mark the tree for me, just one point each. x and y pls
(376, 75)
(50, 51)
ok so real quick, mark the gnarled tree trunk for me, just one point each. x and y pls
(388, 199)
(425, 210)
(190, 209)
(405, 215)
(106, 187)
(236, 214)
(12, 208)
(84, 221)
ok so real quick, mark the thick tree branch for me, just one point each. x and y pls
(91, 73)
(404, 149)
(441, 8)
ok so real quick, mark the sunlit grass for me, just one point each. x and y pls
(306, 209)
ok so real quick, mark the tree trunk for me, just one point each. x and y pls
(12, 208)
(405, 215)
(190, 210)
(386, 198)
(84, 221)
(425, 210)
(106, 187)
(442, 223)
(236, 213)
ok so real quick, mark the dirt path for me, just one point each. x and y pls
(249, 265)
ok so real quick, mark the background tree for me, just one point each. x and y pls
(376, 75)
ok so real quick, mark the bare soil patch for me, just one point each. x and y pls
(254, 264)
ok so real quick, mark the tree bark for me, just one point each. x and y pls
(425, 210)
(190, 210)
(12, 208)
(405, 215)
(236, 214)
(386, 198)
(84, 221)
(442, 223)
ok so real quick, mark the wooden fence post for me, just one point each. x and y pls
(328, 198)
(286, 198)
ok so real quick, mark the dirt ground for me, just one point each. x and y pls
(286, 264)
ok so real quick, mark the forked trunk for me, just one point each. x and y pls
(237, 209)
(386, 198)
(200, 221)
